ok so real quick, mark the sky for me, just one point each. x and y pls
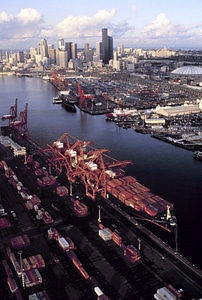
(175, 24)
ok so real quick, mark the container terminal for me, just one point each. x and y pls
(65, 233)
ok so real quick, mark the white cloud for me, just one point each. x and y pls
(4, 17)
(20, 29)
(26, 28)
(160, 26)
(85, 26)
(28, 15)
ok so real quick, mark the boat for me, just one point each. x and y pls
(68, 99)
(57, 100)
(122, 112)
(198, 155)
(69, 105)
(103, 177)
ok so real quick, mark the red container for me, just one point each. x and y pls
(151, 210)
(129, 179)
(76, 262)
(130, 202)
(84, 273)
(124, 195)
(117, 190)
(135, 196)
(116, 238)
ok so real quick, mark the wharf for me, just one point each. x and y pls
(103, 261)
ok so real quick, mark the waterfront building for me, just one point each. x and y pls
(186, 109)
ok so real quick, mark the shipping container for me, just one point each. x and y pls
(63, 243)
(12, 284)
(105, 234)
(7, 269)
(115, 191)
(4, 223)
(166, 294)
(84, 273)
(125, 195)
(70, 242)
(76, 262)
(98, 291)
(62, 191)
(116, 238)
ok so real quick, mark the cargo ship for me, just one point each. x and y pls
(68, 100)
(103, 176)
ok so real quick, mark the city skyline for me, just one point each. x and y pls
(174, 24)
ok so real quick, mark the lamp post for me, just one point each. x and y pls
(99, 215)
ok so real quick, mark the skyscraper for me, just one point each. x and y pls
(107, 46)
(99, 50)
(68, 48)
(61, 44)
(43, 48)
(74, 51)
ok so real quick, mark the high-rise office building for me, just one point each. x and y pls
(63, 59)
(20, 56)
(33, 52)
(74, 51)
(43, 48)
(61, 44)
(88, 53)
(99, 50)
(51, 54)
(68, 48)
(107, 46)
(110, 47)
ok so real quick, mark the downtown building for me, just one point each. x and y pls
(107, 46)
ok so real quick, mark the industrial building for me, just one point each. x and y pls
(185, 109)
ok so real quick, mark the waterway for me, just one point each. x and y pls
(169, 171)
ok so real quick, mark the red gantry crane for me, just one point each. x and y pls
(82, 163)
(83, 97)
(20, 125)
(13, 113)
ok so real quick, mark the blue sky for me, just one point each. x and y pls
(134, 23)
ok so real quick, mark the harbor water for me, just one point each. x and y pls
(169, 171)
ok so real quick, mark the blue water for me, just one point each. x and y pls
(168, 171)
